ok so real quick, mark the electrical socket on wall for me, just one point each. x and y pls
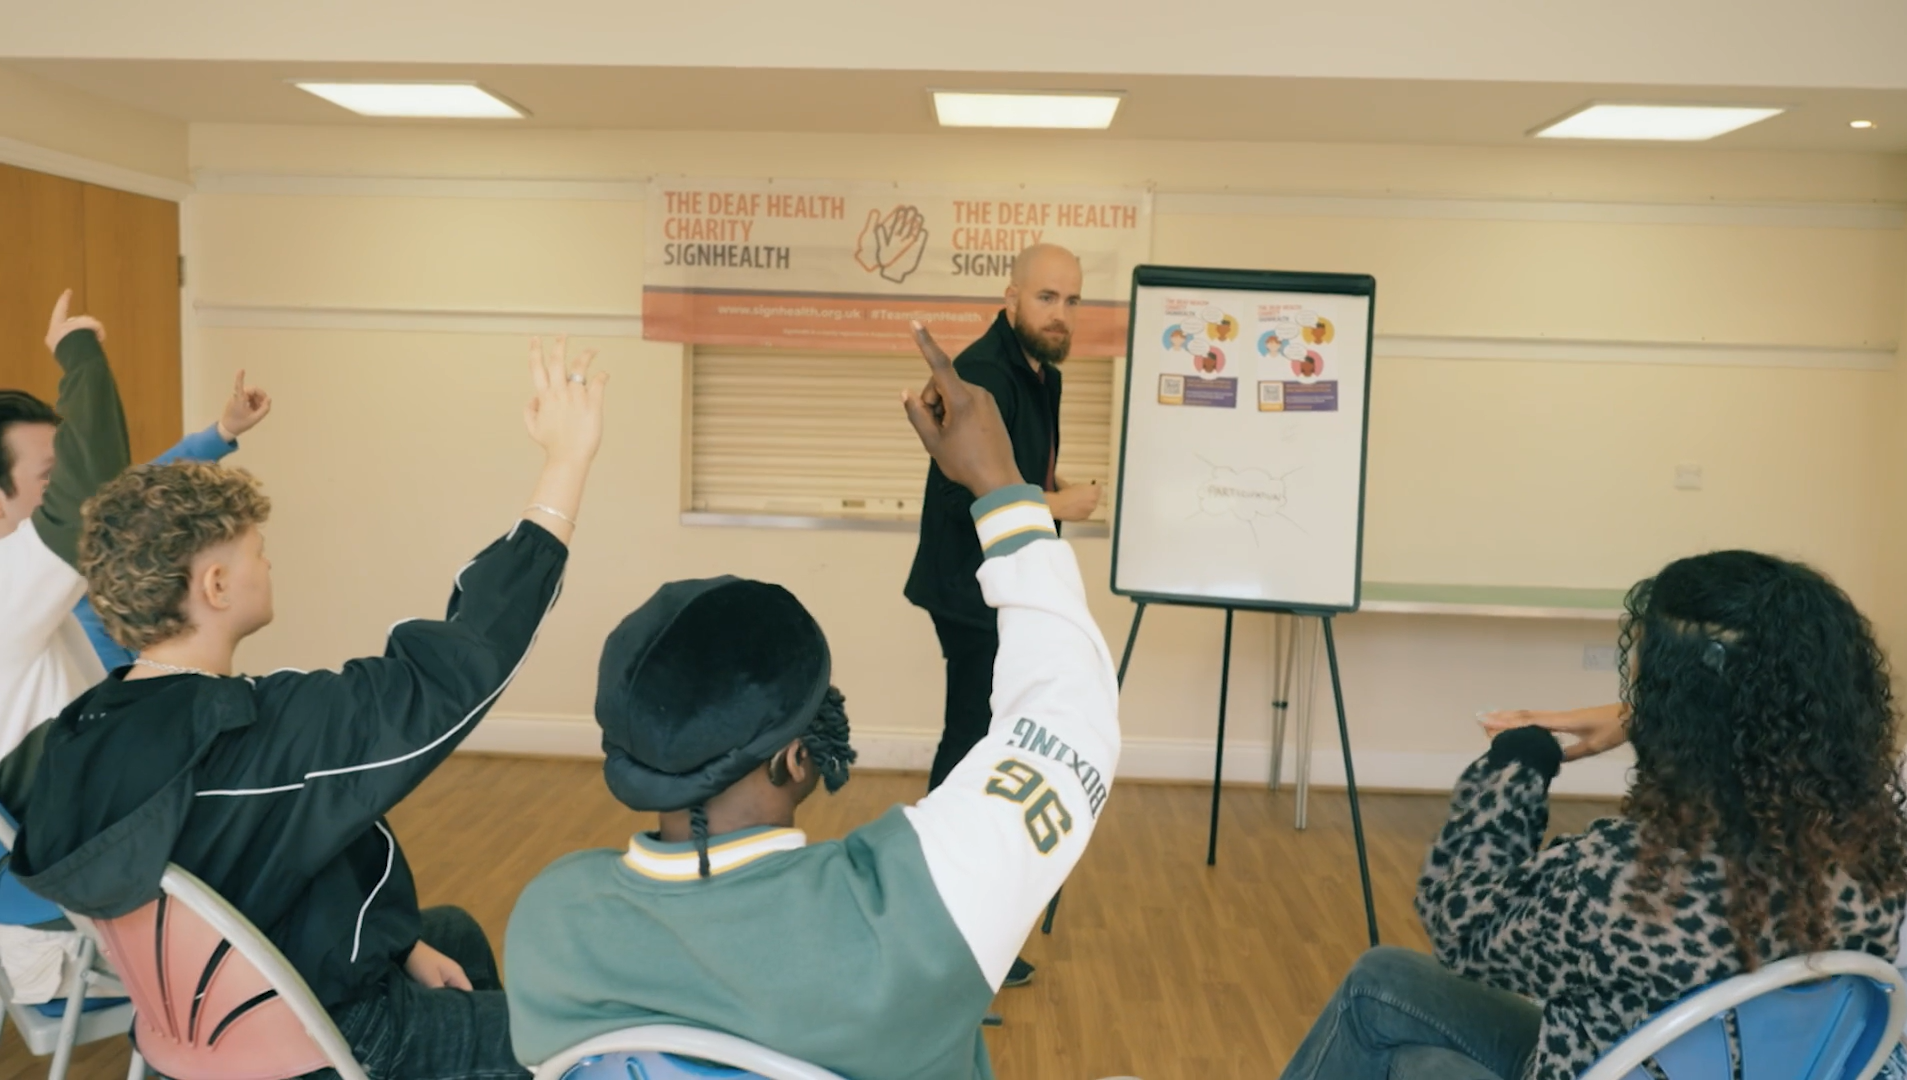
(1599, 658)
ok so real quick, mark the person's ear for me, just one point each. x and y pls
(796, 762)
(210, 583)
(789, 765)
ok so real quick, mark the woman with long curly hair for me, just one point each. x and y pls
(1765, 819)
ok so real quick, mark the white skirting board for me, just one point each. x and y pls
(1141, 759)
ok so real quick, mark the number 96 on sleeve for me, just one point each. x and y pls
(1047, 819)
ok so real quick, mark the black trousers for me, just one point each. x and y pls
(969, 651)
(409, 1033)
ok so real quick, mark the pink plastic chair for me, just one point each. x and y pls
(215, 999)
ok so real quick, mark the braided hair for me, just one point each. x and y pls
(699, 831)
(826, 742)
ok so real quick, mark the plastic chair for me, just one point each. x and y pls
(1828, 1016)
(216, 1000)
(58, 1026)
(679, 1052)
(674, 1052)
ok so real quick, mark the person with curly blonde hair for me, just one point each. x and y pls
(1766, 819)
(273, 789)
(243, 410)
(147, 532)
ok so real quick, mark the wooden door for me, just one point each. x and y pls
(119, 253)
(132, 285)
(42, 251)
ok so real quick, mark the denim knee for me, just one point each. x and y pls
(1386, 968)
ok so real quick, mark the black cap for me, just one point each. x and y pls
(703, 683)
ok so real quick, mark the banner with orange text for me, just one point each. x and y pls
(835, 265)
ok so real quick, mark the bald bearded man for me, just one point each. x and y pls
(1017, 361)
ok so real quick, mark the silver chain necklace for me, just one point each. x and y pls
(173, 668)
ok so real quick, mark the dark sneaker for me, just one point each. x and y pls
(1019, 974)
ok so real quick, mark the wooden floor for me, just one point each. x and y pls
(1160, 967)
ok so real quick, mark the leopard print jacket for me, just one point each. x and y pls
(1552, 923)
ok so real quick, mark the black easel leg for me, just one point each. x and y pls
(1132, 637)
(1125, 660)
(1350, 781)
(1218, 755)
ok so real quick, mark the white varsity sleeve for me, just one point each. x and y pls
(1012, 819)
(37, 593)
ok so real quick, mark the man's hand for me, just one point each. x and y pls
(246, 407)
(565, 416)
(1596, 730)
(61, 325)
(433, 970)
(960, 425)
(1073, 502)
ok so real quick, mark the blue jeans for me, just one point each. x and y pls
(1399, 1014)
(406, 1032)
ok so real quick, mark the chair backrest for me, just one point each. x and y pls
(215, 999)
(18, 907)
(674, 1052)
(1828, 1016)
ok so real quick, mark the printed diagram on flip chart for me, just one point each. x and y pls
(1297, 372)
(1199, 341)
(1246, 495)
(1204, 359)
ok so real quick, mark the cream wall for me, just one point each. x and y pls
(380, 282)
(1892, 537)
(42, 123)
(1762, 43)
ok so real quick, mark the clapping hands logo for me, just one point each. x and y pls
(892, 245)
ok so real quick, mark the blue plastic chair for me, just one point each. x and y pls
(679, 1052)
(674, 1052)
(1828, 1016)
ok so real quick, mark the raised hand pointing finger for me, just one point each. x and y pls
(965, 435)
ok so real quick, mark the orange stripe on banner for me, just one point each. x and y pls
(847, 324)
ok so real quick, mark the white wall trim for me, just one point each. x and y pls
(1699, 353)
(26, 155)
(219, 183)
(1881, 216)
(1186, 760)
(191, 366)
(1419, 346)
(1802, 215)
(1484, 611)
(417, 320)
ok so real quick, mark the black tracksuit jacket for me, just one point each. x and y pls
(273, 789)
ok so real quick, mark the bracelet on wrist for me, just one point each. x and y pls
(553, 512)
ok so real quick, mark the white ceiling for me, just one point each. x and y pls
(1167, 107)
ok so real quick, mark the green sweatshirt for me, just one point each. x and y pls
(91, 446)
(857, 922)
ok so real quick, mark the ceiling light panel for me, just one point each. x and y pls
(1655, 123)
(449, 101)
(959, 108)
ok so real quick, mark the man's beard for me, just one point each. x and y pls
(1043, 348)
